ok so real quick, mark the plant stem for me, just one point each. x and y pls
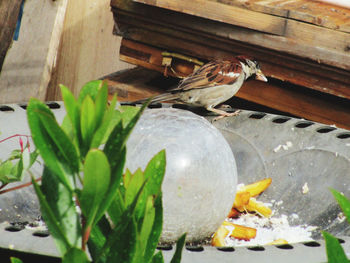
(13, 136)
(18, 186)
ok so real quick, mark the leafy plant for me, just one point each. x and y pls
(335, 251)
(85, 200)
(18, 163)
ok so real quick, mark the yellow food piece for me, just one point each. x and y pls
(234, 213)
(256, 188)
(259, 207)
(218, 239)
(241, 200)
(241, 232)
(279, 241)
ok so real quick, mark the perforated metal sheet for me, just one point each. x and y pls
(291, 151)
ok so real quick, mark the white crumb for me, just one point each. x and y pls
(269, 230)
(305, 189)
(341, 217)
(285, 146)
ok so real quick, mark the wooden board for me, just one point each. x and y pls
(27, 67)
(9, 10)
(88, 48)
(140, 83)
(298, 38)
(310, 11)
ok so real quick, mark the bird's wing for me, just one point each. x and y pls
(214, 73)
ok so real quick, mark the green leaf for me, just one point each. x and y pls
(335, 251)
(15, 260)
(154, 235)
(98, 238)
(110, 120)
(128, 114)
(62, 205)
(136, 182)
(54, 146)
(75, 254)
(90, 89)
(73, 111)
(7, 173)
(114, 185)
(153, 174)
(117, 139)
(144, 229)
(178, 252)
(97, 177)
(87, 122)
(121, 243)
(52, 221)
(101, 103)
(117, 207)
(343, 202)
(158, 257)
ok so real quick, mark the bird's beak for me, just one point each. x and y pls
(260, 76)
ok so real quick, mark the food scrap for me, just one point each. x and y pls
(250, 222)
(305, 189)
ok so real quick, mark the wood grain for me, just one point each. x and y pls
(224, 13)
(313, 12)
(309, 41)
(9, 10)
(27, 67)
(88, 48)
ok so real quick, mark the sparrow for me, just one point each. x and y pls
(214, 83)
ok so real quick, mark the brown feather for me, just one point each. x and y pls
(211, 74)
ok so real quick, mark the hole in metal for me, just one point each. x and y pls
(6, 108)
(127, 104)
(164, 247)
(312, 244)
(155, 106)
(43, 233)
(304, 124)
(341, 241)
(258, 248)
(195, 248)
(15, 228)
(53, 105)
(325, 129)
(257, 116)
(280, 120)
(285, 246)
(344, 135)
(226, 249)
(180, 106)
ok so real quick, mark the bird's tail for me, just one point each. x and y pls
(159, 98)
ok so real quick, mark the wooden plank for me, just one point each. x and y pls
(314, 12)
(277, 65)
(134, 84)
(165, 20)
(223, 13)
(299, 32)
(9, 10)
(27, 68)
(137, 84)
(88, 47)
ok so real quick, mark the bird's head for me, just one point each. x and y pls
(251, 67)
